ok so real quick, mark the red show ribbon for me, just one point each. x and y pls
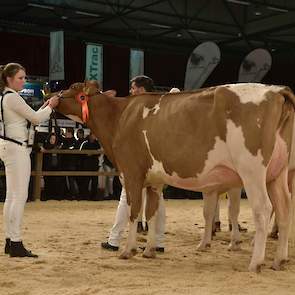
(83, 99)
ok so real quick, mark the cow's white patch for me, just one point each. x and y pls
(145, 112)
(258, 122)
(218, 156)
(156, 107)
(252, 92)
(75, 118)
(153, 110)
(157, 168)
(242, 159)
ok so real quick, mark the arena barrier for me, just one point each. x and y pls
(37, 173)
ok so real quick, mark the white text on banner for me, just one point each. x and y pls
(94, 62)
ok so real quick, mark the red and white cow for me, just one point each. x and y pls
(208, 140)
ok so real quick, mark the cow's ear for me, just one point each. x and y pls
(93, 84)
(90, 90)
(86, 90)
(110, 93)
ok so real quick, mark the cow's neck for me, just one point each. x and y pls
(105, 113)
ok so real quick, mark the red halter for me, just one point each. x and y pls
(83, 99)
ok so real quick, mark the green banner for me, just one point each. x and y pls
(56, 56)
(136, 63)
(94, 62)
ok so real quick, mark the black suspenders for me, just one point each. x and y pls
(2, 115)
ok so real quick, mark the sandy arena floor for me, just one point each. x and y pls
(67, 237)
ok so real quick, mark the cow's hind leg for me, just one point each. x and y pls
(261, 207)
(281, 200)
(210, 203)
(152, 206)
(234, 197)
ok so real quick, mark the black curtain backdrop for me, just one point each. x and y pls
(167, 69)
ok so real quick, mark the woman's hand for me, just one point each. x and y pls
(53, 101)
(45, 104)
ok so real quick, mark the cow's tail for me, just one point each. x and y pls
(292, 223)
(289, 110)
(290, 97)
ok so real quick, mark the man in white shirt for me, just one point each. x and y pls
(139, 85)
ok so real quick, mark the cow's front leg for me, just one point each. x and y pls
(134, 200)
(234, 197)
(152, 207)
(210, 203)
(130, 248)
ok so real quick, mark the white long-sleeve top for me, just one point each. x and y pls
(17, 112)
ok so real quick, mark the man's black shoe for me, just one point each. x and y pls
(158, 249)
(7, 246)
(241, 229)
(107, 246)
(17, 249)
(141, 229)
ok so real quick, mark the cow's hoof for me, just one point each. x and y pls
(256, 268)
(279, 265)
(203, 246)
(128, 254)
(235, 246)
(151, 253)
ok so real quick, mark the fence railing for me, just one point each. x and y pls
(37, 173)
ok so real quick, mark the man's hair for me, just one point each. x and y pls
(143, 81)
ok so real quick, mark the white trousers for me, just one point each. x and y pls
(108, 185)
(122, 217)
(17, 163)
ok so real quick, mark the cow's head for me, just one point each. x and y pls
(74, 101)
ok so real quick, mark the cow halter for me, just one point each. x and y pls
(83, 99)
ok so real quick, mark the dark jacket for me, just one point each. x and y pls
(90, 163)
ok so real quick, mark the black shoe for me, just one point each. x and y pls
(158, 249)
(140, 228)
(17, 249)
(241, 229)
(107, 246)
(7, 246)
(217, 226)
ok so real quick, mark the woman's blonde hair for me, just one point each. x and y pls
(9, 70)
